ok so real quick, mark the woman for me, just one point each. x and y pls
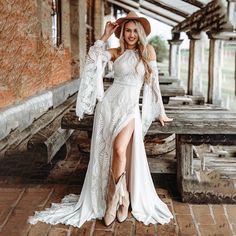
(118, 174)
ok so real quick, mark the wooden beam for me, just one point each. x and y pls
(212, 17)
(225, 35)
(123, 5)
(185, 122)
(148, 7)
(169, 8)
(158, 17)
(17, 136)
(153, 7)
(145, 12)
(195, 3)
(162, 12)
(161, 166)
(131, 3)
(153, 4)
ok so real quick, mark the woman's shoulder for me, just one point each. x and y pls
(115, 52)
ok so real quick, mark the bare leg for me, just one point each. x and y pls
(119, 150)
(116, 184)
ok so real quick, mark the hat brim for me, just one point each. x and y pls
(144, 22)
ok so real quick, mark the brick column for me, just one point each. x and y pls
(195, 64)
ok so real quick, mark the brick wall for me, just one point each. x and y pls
(29, 63)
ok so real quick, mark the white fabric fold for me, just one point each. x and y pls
(99, 79)
(152, 105)
(146, 205)
(91, 85)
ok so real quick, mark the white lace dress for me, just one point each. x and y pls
(115, 108)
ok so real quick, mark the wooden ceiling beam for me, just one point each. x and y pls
(151, 7)
(195, 3)
(123, 5)
(169, 8)
(152, 10)
(161, 12)
(131, 3)
(155, 16)
(212, 16)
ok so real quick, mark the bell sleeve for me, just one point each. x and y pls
(91, 86)
(152, 105)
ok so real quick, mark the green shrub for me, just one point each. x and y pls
(160, 47)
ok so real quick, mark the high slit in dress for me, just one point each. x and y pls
(114, 109)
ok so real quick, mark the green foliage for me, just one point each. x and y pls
(160, 47)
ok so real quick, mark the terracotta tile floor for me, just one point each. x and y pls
(21, 195)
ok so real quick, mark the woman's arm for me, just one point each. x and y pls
(110, 28)
(91, 81)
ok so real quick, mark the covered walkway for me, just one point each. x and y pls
(43, 50)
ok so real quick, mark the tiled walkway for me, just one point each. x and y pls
(20, 196)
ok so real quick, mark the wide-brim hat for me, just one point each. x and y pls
(133, 16)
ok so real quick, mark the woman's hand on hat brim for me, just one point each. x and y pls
(110, 28)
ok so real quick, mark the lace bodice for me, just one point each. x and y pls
(126, 71)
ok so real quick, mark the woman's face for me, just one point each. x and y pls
(130, 34)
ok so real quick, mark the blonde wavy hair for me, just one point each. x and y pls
(141, 47)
